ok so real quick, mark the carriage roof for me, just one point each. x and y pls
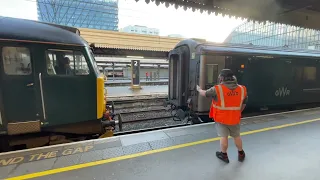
(34, 31)
(199, 47)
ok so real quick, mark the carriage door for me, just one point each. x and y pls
(210, 67)
(175, 77)
(18, 90)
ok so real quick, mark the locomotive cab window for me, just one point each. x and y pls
(16, 61)
(65, 62)
(93, 60)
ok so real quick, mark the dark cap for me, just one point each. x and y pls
(226, 73)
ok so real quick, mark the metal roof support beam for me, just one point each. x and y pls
(258, 10)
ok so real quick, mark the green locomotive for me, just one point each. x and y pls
(51, 87)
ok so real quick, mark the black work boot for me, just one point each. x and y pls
(241, 156)
(222, 156)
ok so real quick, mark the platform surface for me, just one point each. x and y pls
(280, 146)
(145, 90)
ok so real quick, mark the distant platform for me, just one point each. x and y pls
(143, 82)
(123, 91)
(120, 60)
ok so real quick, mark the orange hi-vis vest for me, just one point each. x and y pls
(227, 108)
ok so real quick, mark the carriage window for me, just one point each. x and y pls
(16, 61)
(309, 73)
(64, 62)
(212, 73)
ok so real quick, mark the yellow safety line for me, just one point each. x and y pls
(95, 163)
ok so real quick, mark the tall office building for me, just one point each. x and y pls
(140, 30)
(94, 14)
(275, 35)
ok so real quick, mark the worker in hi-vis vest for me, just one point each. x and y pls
(228, 101)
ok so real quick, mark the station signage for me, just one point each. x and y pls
(135, 72)
(6, 161)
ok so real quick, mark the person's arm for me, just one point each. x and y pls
(202, 92)
(210, 93)
(244, 103)
(242, 107)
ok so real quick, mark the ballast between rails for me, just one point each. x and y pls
(138, 100)
(186, 119)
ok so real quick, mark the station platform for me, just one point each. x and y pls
(278, 146)
(143, 82)
(121, 91)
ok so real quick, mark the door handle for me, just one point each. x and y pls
(42, 99)
(30, 84)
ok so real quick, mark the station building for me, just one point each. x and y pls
(93, 14)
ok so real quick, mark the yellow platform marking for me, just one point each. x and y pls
(95, 163)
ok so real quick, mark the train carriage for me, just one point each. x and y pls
(275, 77)
(50, 83)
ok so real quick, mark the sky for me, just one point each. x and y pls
(168, 20)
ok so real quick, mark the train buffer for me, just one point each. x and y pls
(278, 146)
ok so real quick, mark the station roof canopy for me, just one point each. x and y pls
(128, 41)
(303, 13)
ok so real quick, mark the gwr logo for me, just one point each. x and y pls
(232, 93)
(283, 91)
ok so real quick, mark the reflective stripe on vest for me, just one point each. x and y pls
(222, 107)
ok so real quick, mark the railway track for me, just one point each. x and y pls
(161, 117)
(121, 106)
(157, 122)
(145, 115)
(137, 100)
(132, 99)
(141, 112)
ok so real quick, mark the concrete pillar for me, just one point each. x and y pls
(113, 71)
(158, 72)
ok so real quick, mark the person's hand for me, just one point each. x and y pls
(198, 88)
